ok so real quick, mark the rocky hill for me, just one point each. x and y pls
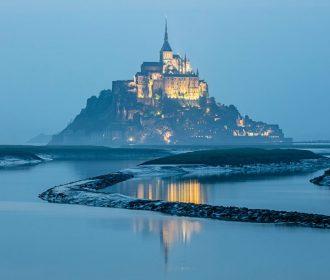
(120, 118)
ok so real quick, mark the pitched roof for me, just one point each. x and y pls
(166, 47)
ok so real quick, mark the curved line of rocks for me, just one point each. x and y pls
(323, 180)
(85, 193)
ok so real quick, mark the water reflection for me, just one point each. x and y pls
(89, 168)
(171, 231)
(282, 192)
(189, 191)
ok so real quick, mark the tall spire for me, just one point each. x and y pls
(166, 45)
(166, 35)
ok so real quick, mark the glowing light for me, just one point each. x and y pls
(240, 122)
(167, 136)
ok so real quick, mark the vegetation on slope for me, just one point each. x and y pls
(237, 157)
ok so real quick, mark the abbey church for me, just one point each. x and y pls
(172, 76)
(165, 103)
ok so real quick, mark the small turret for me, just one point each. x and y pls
(185, 64)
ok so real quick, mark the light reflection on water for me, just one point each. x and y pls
(170, 231)
(77, 242)
(19, 198)
(285, 192)
(184, 191)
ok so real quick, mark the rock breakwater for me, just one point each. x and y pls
(86, 193)
(323, 180)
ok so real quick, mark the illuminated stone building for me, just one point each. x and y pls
(172, 77)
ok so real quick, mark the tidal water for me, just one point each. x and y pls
(39, 240)
(287, 192)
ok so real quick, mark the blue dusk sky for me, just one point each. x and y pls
(269, 58)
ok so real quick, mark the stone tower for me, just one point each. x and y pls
(166, 53)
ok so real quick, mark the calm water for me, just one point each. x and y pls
(279, 193)
(39, 240)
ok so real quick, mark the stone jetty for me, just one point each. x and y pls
(86, 192)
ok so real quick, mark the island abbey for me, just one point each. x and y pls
(165, 103)
(172, 77)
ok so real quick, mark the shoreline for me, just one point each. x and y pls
(86, 192)
(323, 180)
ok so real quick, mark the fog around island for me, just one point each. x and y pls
(270, 59)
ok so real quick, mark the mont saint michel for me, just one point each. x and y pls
(165, 103)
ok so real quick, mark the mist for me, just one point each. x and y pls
(269, 58)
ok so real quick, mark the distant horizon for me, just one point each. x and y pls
(270, 61)
(315, 141)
